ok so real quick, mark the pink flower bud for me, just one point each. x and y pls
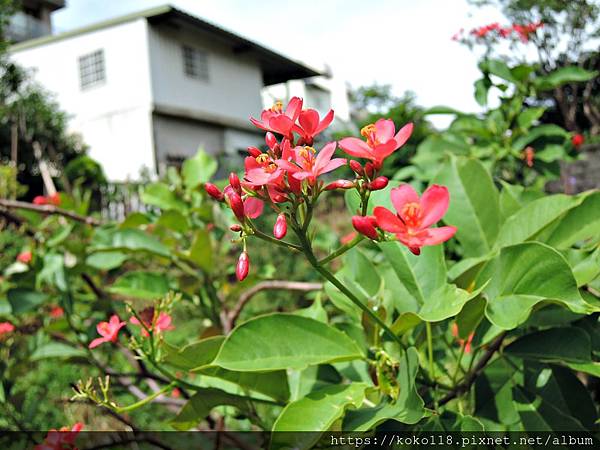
(213, 191)
(234, 181)
(243, 266)
(254, 152)
(340, 184)
(369, 169)
(236, 204)
(280, 228)
(40, 200)
(364, 225)
(270, 140)
(378, 183)
(236, 228)
(24, 257)
(356, 167)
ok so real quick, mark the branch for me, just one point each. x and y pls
(48, 209)
(473, 374)
(246, 296)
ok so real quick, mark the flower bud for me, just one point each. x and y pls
(340, 184)
(369, 169)
(236, 204)
(236, 228)
(243, 266)
(24, 257)
(254, 152)
(365, 225)
(378, 183)
(234, 181)
(356, 167)
(213, 191)
(39, 200)
(280, 228)
(270, 140)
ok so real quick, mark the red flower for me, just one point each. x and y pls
(340, 184)
(262, 170)
(462, 342)
(279, 121)
(213, 191)
(347, 238)
(6, 327)
(108, 330)
(24, 257)
(529, 156)
(414, 217)
(57, 312)
(62, 439)
(310, 167)
(154, 324)
(381, 141)
(54, 199)
(39, 200)
(577, 140)
(310, 124)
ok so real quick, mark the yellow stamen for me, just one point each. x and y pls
(262, 158)
(367, 130)
(277, 106)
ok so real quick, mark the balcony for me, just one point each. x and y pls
(23, 27)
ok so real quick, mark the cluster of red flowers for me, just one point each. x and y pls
(288, 170)
(63, 439)
(155, 323)
(522, 31)
(53, 200)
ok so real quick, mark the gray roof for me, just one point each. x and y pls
(275, 67)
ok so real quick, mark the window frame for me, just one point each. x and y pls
(92, 69)
(196, 63)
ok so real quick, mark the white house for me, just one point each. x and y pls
(147, 89)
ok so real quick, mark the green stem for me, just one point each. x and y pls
(265, 237)
(341, 250)
(458, 364)
(430, 350)
(145, 400)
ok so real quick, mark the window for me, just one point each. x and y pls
(195, 63)
(91, 69)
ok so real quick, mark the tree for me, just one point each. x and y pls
(568, 26)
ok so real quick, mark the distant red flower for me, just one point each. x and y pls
(6, 327)
(577, 140)
(63, 439)
(414, 217)
(381, 141)
(154, 324)
(529, 156)
(108, 330)
(348, 238)
(57, 312)
(24, 257)
(176, 393)
(53, 199)
(39, 200)
(462, 342)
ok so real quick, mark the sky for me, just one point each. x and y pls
(405, 43)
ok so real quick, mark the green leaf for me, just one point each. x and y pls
(530, 220)
(174, 220)
(56, 350)
(580, 223)
(421, 286)
(284, 341)
(407, 409)
(474, 206)
(135, 240)
(198, 169)
(159, 194)
(106, 260)
(201, 252)
(522, 276)
(194, 355)
(273, 384)
(202, 403)
(564, 75)
(315, 412)
(540, 131)
(142, 285)
(22, 300)
(498, 68)
(526, 118)
(482, 87)
(568, 344)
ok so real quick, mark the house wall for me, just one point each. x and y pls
(232, 92)
(114, 118)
